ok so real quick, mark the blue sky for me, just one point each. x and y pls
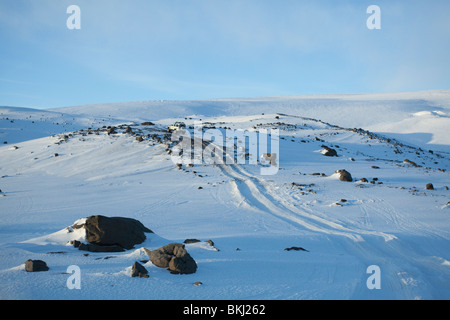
(137, 50)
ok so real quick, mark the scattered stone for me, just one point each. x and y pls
(429, 186)
(174, 257)
(56, 154)
(375, 167)
(36, 266)
(344, 175)
(147, 123)
(128, 130)
(198, 283)
(139, 139)
(411, 162)
(364, 180)
(138, 270)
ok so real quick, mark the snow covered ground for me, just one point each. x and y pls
(54, 171)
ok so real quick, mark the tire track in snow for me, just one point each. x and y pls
(250, 190)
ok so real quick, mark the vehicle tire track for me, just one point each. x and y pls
(251, 190)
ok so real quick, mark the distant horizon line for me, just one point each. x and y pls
(242, 98)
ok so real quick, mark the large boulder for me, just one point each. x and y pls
(174, 257)
(344, 175)
(114, 231)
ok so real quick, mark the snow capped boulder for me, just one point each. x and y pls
(113, 231)
(343, 175)
(329, 152)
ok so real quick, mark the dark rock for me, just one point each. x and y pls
(375, 167)
(364, 180)
(175, 257)
(114, 231)
(36, 265)
(139, 139)
(159, 258)
(429, 186)
(138, 270)
(411, 162)
(99, 248)
(147, 123)
(344, 175)
(191, 241)
(329, 152)
(296, 249)
(128, 130)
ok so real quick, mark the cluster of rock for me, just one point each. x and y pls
(173, 257)
(116, 234)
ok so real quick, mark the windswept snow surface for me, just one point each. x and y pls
(54, 171)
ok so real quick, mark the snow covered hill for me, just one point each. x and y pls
(420, 118)
(65, 164)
